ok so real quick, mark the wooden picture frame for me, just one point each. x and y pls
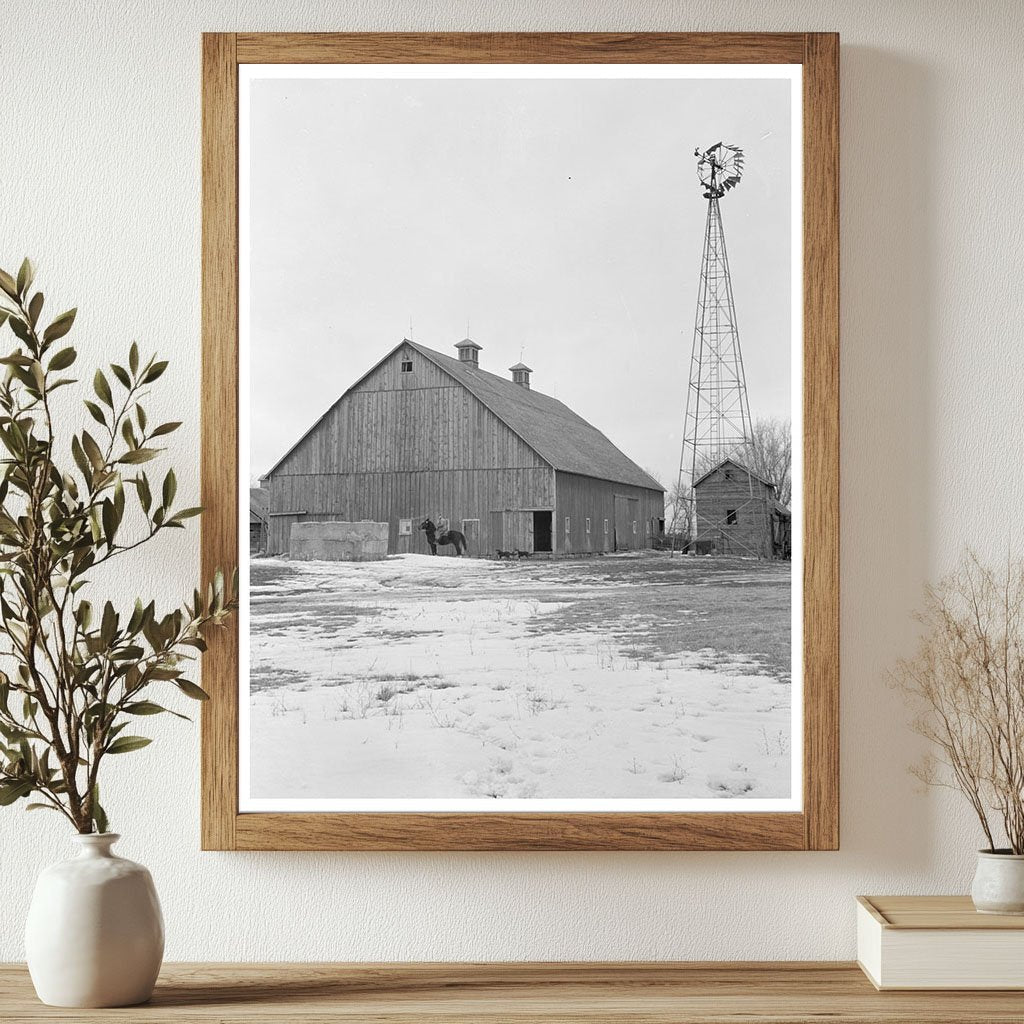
(816, 826)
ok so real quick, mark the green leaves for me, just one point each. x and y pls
(8, 285)
(108, 624)
(145, 496)
(126, 744)
(170, 488)
(59, 327)
(191, 690)
(99, 816)
(133, 458)
(26, 274)
(148, 707)
(21, 329)
(102, 388)
(155, 370)
(35, 307)
(14, 790)
(143, 707)
(63, 359)
(185, 513)
(81, 668)
(96, 412)
(41, 807)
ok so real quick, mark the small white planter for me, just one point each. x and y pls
(999, 883)
(95, 934)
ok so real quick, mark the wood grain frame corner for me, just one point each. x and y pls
(817, 827)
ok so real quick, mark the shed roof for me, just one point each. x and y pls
(739, 465)
(259, 505)
(567, 441)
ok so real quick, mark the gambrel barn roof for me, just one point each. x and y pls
(566, 441)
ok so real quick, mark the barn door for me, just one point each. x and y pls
(623, 521)
(497, 532)
(471, 531)
(524, 531)
(636, 528)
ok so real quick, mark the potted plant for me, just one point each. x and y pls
(81, 671)
(967, 682)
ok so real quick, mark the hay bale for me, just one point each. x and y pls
(338, 542)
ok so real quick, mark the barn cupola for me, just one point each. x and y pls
(521, 375)
(468, 350)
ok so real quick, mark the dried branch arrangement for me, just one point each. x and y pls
(967, 682)
(80, 670)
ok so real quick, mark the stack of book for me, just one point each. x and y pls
(938, 942)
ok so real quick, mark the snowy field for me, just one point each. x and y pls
(632, 676)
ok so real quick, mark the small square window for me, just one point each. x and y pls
(406, 366)
(730, 517)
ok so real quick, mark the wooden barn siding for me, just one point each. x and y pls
(389, 377)
(581, 496)
(439, 428)
(389, 497)
(716, 495)
(406, 445)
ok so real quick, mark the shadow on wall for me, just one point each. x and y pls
(888, 279)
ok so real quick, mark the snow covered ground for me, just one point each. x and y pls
(448, 678)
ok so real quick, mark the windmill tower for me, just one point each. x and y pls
(718, 425)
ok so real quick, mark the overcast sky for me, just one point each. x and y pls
(561, 218)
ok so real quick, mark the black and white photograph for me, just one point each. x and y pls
(520, 385)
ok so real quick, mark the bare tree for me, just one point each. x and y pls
(966, 682)
(679, 513)
(773, 454)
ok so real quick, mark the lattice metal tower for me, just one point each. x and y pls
(718, 424)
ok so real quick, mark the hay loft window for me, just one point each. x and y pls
(730, 517)
(406, 366)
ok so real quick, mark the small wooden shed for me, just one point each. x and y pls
(736, 512)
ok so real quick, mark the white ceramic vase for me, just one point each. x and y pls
(95, 934)
(999, 883)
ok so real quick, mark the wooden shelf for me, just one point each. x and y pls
(661, 993)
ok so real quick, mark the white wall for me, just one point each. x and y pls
(99, 181)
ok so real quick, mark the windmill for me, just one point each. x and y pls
(718, 425)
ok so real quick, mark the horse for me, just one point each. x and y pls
(453, 537)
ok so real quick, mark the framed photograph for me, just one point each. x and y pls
(520, 420)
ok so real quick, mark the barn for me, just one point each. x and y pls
(259, 521)
(736, 512)
(427, 434)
